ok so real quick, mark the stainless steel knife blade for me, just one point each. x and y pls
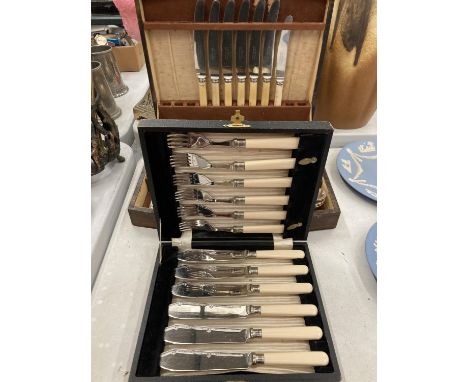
(185, 334)
(213, 52)
(254, 53)
(209, 255)
(199, 52)
(190, 360)
(226, 58)
(241, 52)
(210, 272)
(206, 290)
(281, 58)
(184, 310)
(268, 49)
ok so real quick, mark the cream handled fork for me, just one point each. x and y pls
(205, 226)
(194, 194)
(195, 179)
(185, 211)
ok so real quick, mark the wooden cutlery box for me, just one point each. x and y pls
(310, 158)
(168, 27)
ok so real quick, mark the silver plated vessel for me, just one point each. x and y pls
(102, 88)
(104, 55)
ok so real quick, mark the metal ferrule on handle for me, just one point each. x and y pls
(202, 90)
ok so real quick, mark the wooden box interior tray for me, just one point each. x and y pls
(142, 214)
(167, 29)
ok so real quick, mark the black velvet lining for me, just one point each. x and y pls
(151, 338)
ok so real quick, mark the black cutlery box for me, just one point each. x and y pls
(311, 156)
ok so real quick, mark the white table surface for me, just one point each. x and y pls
(342, 137)
(108, 190)
(346, 284)
(138, 84)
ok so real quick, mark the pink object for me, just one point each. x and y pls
(129, 17)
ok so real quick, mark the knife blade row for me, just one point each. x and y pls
(240, 55)
(196, 268)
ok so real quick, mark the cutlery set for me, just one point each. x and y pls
(240, 55)
(230, 183)
(208, 286)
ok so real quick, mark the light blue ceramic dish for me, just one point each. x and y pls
(357, 165)
(371, 249)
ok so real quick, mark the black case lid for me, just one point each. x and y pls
(314, 142)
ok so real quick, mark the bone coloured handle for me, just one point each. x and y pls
(280, 254)
(268, 182)
(253, 90)
(296, 358)
(282, 270)
(202, 91)
(228, 92)
(264, 228)
(267, 215)
(287, 143)
(285, 289)
(279, 92)
(292, 333)
(288, 310)
(270, 164)
(215, 91)
(268, 200)
(265, 100)
(240, 90)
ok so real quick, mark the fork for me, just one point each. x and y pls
(188, 179)
(194, 194)
(201, 210)
(205, 226)
(194, 160)
(199, 141)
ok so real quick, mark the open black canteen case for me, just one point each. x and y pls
(311, 155)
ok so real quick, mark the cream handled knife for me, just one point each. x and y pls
(228, 255)
(241, 53)
(185, 310)
(254, 54)
(281, 62)
(268, 50)
(186, 289)
(219, 272)
(196, 360)
(186, 334)
(226, 56)
(199, 52)
(213, 53)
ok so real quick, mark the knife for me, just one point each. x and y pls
(196, 360)
(219, 272)
(185, 310)
(281, 62)
(241, 53)
(186, 289)
(268, 50)
(199, 52)
(211, 255)
(213, 53)
(186, 334)
(254, 54)
(227, 53)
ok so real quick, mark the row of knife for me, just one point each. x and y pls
(232, 183)
(247, 314)
(253, 54)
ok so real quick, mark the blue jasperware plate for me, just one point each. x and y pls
(357, 165)
(371, 249)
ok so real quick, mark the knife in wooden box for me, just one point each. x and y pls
(213, 53)
(281, 62)
(254, 54)
(226, 58)
(268, 50)
(241, 53)
(199, 52)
